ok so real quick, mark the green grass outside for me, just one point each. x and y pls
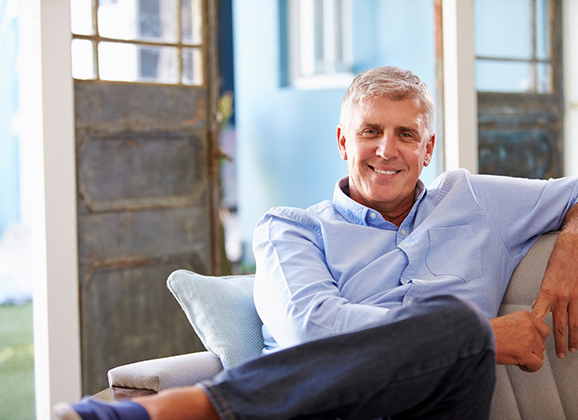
(16, 363)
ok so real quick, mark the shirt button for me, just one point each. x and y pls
(372, 215)
(403, 232)
(406, 244)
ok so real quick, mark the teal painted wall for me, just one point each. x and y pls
(286, 144)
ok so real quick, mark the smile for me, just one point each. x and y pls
(379, 171)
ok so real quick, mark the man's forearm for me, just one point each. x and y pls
(559, 291)
(567, 243)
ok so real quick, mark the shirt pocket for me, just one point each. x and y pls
(453, 251)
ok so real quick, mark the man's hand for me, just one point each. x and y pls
(559, 289)
(520, 340)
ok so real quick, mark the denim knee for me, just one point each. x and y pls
(475, 324)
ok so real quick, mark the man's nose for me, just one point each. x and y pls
(387, 147)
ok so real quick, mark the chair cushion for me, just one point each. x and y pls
(222, 313)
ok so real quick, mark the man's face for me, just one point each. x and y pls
(386, 145)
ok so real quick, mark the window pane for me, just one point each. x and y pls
(339, 45)
(318, 36)
(81, 17)
(82, 59)
(503, 76)
(135, 63)
(147, 20)
(543, 29)
(303, 37)
(544, 78)
(319, 39)
(503, 28)
(192, 21)
(192, 66)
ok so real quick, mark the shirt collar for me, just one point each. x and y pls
(359, 214)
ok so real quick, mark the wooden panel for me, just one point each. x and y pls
(123, 237)
(520, 135)
(167, 173)
(523, 153)
(145, 209)
(120, 106)
(129, 315)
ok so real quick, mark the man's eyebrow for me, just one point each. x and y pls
(410, 129)
(364, 126)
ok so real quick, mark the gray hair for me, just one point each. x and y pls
(391, 83)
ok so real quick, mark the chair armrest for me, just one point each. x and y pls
(166, 372)
(527, 278)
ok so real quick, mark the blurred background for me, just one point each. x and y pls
(193, 117)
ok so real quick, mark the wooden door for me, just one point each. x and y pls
(147, 200)
(519, 76)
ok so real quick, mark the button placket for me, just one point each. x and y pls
(411, 252)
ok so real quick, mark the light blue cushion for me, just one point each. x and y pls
(222, 313)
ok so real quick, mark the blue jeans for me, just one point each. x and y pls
(433, 360)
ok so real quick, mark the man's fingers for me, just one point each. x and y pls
(520, 340)
(533, 364)
(534, 360)
(542, 327)
(573, 327)
(541, 307)
(564, 322)
(560, 324)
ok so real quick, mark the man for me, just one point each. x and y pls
(382, 298)
(463, 236)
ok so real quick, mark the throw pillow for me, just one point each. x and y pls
(222, 313)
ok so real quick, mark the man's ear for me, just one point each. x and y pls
(429, 150)
(341, 141)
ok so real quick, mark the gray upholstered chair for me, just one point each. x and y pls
(222, 313)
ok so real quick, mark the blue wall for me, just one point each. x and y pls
(286, 145)
(9, 170)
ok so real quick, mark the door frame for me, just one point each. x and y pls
(47, 115)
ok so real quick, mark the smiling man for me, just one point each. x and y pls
(386, 143)
(386, 242)
(383, 301)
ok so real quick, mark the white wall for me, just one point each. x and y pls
(460, 98)
(47, 115)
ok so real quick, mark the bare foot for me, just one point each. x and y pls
(189, 403)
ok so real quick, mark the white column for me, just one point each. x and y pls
(570, 25)
(47, 120)
(460, 97)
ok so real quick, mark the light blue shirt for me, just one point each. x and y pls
(338, 266)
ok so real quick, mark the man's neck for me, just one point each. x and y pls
(398, 216)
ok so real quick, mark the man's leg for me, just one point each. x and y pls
(435, 359)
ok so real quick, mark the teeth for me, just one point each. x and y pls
(379, 171)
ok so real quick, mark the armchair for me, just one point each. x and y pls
(222, 313)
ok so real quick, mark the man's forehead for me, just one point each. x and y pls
(370, 111)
